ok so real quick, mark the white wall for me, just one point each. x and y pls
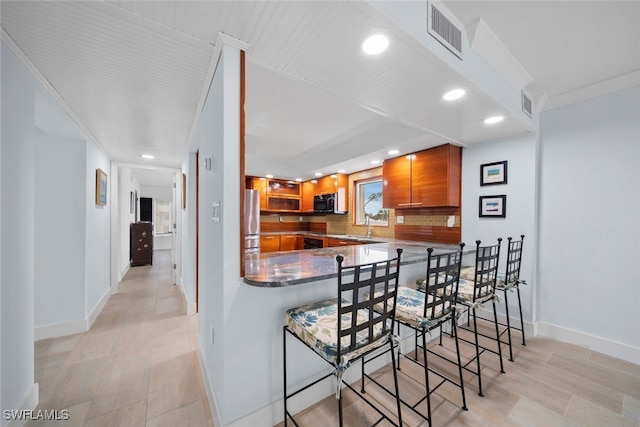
(17, 243)
(589, 242)
(520, 153)
(188, 236)
(97, 245)
(127, 183)
(59, 223)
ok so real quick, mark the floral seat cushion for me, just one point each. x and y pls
(468, 273)
(421, 283)
(410, 307)
(466, 290)
(317, 325)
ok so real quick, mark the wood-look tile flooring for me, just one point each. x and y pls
(136, 366)
(549, 383)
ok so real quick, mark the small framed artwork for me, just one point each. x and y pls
(493, 173)
(132, 202)
(493, 206)
(101, 187)
(184, 191)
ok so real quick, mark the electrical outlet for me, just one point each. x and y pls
(280, 218)
(400, 219)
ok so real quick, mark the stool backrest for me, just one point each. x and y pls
(487, 258)
(514, 259)
(360, 288)
(443, 278)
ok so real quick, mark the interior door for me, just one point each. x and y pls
(174, 244)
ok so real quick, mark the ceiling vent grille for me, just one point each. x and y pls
(527, 106)
(443, 30)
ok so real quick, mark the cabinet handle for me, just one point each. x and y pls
(409, 204)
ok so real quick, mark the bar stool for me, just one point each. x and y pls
(473, 294)
(428, 308)
(511, 280)
(506, 283)
(344, 330)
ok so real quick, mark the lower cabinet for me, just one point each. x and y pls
(141, 241)
(288, 242)
(341, 242)
(270, 243)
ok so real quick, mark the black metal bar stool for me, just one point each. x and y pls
(511, 281)
(344, 330)
(426, 309)
(473, 294)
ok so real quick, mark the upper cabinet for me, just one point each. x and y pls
(277, 195)
(429, 178)
(337, 183)
(308, 193)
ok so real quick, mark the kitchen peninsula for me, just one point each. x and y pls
(280, 269)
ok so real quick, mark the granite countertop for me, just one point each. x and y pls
(278, 269)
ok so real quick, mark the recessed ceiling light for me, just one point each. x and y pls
(375, 44)
(147, 156)
(375, 162)
(454, 94)
(341, 170)
(493, 120)
(334, 176)
(318, 174)
(393, 152)
(299, 179)
(269, 175)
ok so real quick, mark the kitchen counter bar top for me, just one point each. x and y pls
(279, 269)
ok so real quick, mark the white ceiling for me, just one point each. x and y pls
(132, 73)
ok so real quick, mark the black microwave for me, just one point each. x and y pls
(326, 203)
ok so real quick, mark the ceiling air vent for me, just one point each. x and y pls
(443, 30)
(526, 104)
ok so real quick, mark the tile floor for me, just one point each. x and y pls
(549, 384)
(136, 366)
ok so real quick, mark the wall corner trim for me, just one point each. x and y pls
(30, 403)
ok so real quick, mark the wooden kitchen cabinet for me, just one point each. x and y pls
(288, 242)
(337, 183)
(331, 242)
(260, 184)
(396, 182)
(283, 196)
(436, 176)
(429, 178)
(270, 243)
(308, 193)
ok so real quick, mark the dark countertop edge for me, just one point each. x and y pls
(293, 282)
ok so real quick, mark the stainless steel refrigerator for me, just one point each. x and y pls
(251, 221)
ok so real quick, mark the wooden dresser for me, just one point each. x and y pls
(141, 243)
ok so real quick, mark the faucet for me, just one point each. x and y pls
(367, 221)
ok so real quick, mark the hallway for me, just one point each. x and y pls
(136, 366)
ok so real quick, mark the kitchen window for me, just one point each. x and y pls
(368, 203)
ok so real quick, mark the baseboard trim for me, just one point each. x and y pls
(216, 414)
(601, 345)
(30, 403)
(98, 308)
(73, 326)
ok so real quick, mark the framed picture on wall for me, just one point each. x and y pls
(132, 202)
(101, 187)
(184, 191)
(493, 206)
(493, 173)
